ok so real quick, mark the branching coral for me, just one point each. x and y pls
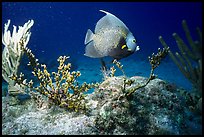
(154, 61)
(119, 65)
(64, 79)
(12, 53)
(189, 61)
(108, 72)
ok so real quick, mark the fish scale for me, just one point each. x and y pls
(107, 41)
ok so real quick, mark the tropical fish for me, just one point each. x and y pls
(112, 38)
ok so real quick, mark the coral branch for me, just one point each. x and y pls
(154, 61)
(12, 54)
(67, 92)
(188, 61)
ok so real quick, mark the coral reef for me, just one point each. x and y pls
(119, 105)
(108, 72)
(154, 61)
(26, 119)
(153, 109)
(189, 61)
(65, 83)
(66, 80)
(12, 53)
(156, 109)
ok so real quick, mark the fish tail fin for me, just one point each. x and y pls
(89, 36)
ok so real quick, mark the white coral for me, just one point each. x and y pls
(12, 52)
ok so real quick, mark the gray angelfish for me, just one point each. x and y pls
(112, 38)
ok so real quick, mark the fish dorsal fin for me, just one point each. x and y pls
(109, 21)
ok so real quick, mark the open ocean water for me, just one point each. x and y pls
(60, 28)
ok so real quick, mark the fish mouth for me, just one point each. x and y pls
(137, 48)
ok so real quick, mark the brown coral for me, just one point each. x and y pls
(64, 79)
(189, 61)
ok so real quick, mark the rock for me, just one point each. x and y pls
(156, 109)
(151, 110)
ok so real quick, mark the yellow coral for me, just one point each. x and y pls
(65, 81)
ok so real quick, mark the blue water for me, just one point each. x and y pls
(60, 29)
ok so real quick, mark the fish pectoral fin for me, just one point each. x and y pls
(123, 46)
(89, 36)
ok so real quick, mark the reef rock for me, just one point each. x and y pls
(155, 109)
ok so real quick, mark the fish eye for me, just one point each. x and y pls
(134, 40)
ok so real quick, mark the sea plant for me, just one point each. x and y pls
(189, 60)
(154, 61)
(12, 53)
(66, 92)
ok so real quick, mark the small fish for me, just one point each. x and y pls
(112, 38)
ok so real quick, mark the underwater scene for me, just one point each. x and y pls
(102, 68)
